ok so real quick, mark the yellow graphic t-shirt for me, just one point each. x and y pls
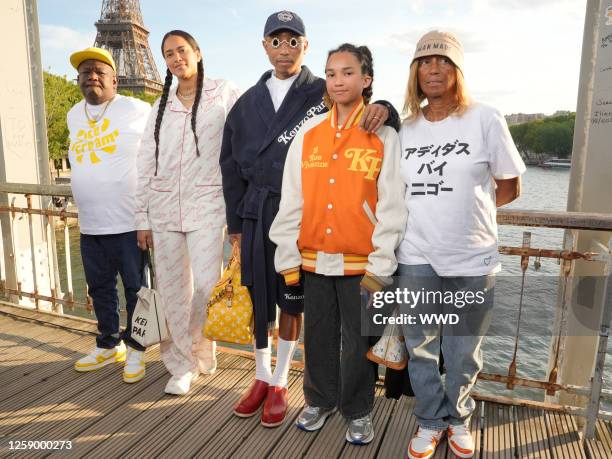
(102, 156)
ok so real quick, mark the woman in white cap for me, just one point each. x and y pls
(459, 163)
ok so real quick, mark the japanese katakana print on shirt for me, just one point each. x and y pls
(449, 168)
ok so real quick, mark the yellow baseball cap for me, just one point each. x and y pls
(98, 54)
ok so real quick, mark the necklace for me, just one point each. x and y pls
(186, 97)
(95, 119)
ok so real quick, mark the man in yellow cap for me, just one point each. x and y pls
(105, 131)
(97, 74)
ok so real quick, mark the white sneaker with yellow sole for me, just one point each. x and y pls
(100, 357)
(134, 368)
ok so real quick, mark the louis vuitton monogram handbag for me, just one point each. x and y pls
(229, 313)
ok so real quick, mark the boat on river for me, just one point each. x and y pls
(557, 163)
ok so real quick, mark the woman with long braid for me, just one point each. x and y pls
(180, 207)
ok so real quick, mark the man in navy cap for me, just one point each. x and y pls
(258, 132)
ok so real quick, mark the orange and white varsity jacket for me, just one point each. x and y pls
(342, 208)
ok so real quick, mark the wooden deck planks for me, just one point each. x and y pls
(530, 433)
(210, 425)
(68, 419)
(400, 429)
(209, 391)
(563, 436)
(42, 397)
(114, 423)
(49, 370)
(498, 432)
(27, 359)
(165, 407)
(21, 335)
(601, 446)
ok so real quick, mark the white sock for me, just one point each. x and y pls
(284, 354)
(263, 362)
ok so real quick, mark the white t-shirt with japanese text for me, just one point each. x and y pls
(102, 157)
(449, 168)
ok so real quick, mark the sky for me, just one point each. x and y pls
(520, 55)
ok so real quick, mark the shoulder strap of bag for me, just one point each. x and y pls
(145, 261)
(156, 314)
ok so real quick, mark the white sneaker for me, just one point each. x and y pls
(179, 385)
(207, 359)
(100, 357)
(423, 444)
(208, 368)
(134, 368)
(460, 441)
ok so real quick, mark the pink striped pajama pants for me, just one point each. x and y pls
(188, 265)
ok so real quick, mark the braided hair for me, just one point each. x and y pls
(160, 114)
(196, 103)
(164, 97)
(364, 57)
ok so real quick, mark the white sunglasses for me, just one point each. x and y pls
(277, 42)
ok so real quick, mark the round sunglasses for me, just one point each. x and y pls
(277, 42)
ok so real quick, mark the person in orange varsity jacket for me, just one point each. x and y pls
(340, 219)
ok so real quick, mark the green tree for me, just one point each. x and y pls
(519, 131)
(556, 138)
(139, 95)
(60, 96)
(552, 136)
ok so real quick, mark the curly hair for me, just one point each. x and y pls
(364, 56)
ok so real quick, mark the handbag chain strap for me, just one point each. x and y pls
(228, 290)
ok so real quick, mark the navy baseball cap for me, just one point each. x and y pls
(284, 20)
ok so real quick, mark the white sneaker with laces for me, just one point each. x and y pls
(460, 441)
(179, 385)
(423, 444)
(134, 368)
(100, 357)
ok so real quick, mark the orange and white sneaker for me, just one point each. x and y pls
(100, 358)
(460, 441)
(423, 444)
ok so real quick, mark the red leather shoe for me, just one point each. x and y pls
(251, 400)
(275, 408)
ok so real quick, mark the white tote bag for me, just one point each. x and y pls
(149, 319)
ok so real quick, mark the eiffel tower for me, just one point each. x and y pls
(122, 32)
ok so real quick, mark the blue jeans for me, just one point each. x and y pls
(439, 405)
(105, 256)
